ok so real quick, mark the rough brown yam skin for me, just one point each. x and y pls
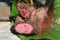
(36, 16)
(23, 10)
(19, 19)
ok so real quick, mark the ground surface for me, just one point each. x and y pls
(5, 33)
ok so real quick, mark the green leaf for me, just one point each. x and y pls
(22, 37)
(56, 2)
(14, 10)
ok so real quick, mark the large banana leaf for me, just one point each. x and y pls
(52, 34)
